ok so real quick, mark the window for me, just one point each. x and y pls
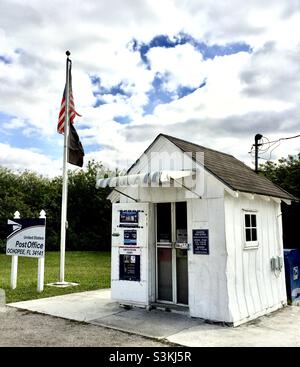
(250, 230)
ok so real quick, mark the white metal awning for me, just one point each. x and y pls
(142, 179)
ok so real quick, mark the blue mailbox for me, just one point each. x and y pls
(292, 275)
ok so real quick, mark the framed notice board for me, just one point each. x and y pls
(201, 241)
(130, 267)
(129, 218)
(130, 236)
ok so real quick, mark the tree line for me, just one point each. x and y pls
(89, 212)
(286, 174)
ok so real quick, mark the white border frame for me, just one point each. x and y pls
(250, 245)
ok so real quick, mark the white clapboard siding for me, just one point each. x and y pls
(252, 287)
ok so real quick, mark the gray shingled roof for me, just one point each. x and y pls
(231, 171)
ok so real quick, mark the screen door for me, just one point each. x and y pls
(172, 269)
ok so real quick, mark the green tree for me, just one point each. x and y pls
(286, 174)
(89, 212)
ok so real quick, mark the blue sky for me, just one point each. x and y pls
(208, 51)
(158, 94)
(4, 59)
(191, 69)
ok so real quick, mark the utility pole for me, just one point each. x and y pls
(256, 145)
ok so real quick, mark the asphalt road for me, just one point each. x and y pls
(28, 329)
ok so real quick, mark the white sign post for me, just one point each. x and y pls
(14, 263)
(27, 239)
(41, 264)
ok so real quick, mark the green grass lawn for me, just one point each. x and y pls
(90, 269)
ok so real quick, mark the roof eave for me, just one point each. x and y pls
(287, 197)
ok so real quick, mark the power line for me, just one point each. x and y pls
(264, 141)
(273, 142)
(276, 141)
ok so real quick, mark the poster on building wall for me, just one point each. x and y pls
(129, 218)
(200, 242)
(130, 237)
(130, 267)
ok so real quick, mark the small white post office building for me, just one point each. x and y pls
(197, 229)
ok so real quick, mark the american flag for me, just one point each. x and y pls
(62, 112)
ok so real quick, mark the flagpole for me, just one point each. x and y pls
(64, 223)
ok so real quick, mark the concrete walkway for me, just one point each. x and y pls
(82, 306)
(281, 328)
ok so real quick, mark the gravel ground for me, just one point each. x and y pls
(24, 328)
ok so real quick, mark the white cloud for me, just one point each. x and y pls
(182, 64)
(35, 35)
(15, 123)
(27, 159)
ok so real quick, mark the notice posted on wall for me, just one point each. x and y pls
(130, 267)
(200, 241)
(130, 237)
(129, 218)
(26, 237)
